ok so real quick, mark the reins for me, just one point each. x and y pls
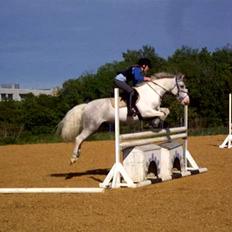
(162, 87)
(179, 90)
(154, 88)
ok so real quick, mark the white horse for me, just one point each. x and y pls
(85, 119)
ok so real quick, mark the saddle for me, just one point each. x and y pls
(122, 101)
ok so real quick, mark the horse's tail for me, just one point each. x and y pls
(70, 126)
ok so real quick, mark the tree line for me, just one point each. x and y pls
(208, 77)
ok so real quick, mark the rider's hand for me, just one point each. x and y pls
(147, 79)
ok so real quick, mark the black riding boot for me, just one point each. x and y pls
(130, 110)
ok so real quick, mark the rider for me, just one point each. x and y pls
(130, 77)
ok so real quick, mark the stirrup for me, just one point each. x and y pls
(131, 113)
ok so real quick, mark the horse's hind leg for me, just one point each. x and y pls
(94, 115)
(78, 141)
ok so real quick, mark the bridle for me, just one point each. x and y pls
(180, 90)
(177, 85)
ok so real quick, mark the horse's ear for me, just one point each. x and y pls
(180, 76)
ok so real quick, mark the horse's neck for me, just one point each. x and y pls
(164, 85)
(158, 86)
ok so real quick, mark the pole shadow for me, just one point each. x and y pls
(70, 175)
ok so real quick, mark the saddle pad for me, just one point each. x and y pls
(121, 103)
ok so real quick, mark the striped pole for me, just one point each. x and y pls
(186, 140)
(230, 116)
(228, 140)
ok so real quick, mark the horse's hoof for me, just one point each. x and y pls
(73, 160)
(155, 123)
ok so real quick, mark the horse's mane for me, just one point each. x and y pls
(161, 75)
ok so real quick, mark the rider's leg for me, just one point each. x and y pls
(131, 111)
(129, 95)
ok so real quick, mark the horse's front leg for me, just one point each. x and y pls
(162, 113)
(157, 117)
(159, 121)
(165, 111)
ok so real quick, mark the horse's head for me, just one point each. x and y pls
(180, 90)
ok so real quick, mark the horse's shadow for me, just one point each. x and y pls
(70, 175)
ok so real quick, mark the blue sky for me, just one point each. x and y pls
(45, 42)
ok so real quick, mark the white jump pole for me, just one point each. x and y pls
(189, 162)
(51, 190)
(228, 140)
(140, 142)
(163, 132)
(113, 179)
(185, 140)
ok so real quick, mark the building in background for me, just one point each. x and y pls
(14, 92)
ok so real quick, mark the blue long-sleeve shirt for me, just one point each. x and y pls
(138, 75)
(134, 74)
